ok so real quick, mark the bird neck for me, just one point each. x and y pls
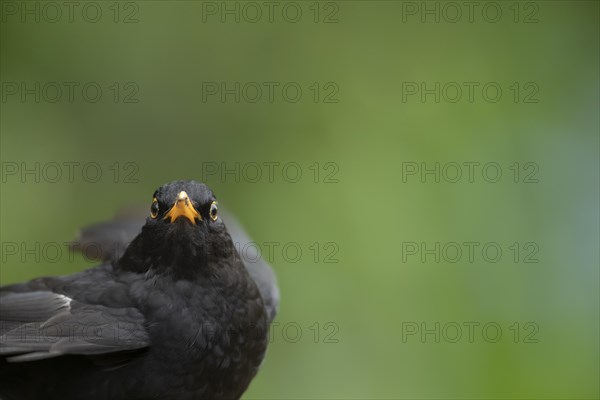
(180, 259)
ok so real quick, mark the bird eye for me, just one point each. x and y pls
(154, 208)
(213, 211)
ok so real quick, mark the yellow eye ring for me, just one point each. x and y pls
(154, 208)
(214, 211)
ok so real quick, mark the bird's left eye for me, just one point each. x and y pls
(213, 211)
(154, 208)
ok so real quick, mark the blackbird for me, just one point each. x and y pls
(180, 315)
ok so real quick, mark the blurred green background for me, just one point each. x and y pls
(161, 57)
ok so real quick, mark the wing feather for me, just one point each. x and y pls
(42, 324)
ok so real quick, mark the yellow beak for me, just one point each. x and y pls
(183, 208)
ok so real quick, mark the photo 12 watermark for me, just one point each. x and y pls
(470, 92)
(255, 12)
(290, 252)
(469, 252)
(472, 12)
(290, 92)
(69, 92)
(470, 172)
(69, 172)
(469, 332)
(70, 12)
(270, 171)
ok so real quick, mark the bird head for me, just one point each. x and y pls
(183, 231)
(188, 202)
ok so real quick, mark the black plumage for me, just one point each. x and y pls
(179, 316)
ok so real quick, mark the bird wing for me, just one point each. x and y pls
(51, 317)
(107, 241)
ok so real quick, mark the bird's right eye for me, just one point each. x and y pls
(154, 208)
